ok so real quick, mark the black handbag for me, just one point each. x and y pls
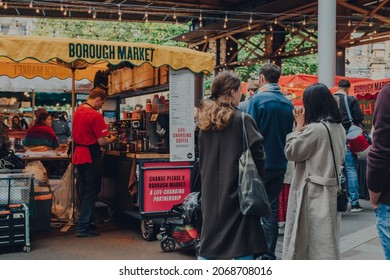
(252, 195)
(342, 197)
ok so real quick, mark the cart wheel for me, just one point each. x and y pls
(26, 249)
(168, 244)
(147, 230)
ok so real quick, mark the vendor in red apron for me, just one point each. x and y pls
(89, 132)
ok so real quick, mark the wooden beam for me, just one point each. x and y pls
(367, 15)
(363, 11)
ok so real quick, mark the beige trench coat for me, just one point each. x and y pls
(312, 223)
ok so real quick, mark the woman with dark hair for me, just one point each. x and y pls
(41, 133)
(312, 223)
(226, 233)
(16, 122)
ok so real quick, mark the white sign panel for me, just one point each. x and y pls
(181, 115)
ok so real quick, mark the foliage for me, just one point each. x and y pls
(297, 65)
(154, 33)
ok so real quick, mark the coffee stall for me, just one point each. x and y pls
(149, 169)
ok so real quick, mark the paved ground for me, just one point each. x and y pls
(121, 240)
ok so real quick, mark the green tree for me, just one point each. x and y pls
(154, 33)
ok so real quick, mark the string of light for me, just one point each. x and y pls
(185, 14)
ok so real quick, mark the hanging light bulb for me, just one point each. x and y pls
(304, 20)
(146, 16)
(89, 10)
(249, 27)
(37, 10)
(276, 20)
(200, 16)
(62, 8)
(271, 28)
(349, 23)
(226, 17)
(250, 19)
(31, 4)
(370, 24)
(94, 15)
(200, 24)
(65, 12)
(120, 17)
(183, 36)
(6, 6)
(224, 25)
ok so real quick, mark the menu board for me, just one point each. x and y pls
(181, 115)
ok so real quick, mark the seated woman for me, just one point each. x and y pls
(41, 133)
(16, 122)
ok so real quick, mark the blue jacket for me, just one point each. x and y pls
(273, 114)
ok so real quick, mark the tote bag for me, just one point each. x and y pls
(252, 196)
(359, 141)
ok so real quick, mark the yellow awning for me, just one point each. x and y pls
(30, 69)
(74, 51)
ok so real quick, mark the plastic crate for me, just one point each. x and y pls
(16, 188)
(14, 227)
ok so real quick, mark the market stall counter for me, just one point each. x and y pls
(144, 185)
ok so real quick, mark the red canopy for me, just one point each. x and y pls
(296, 84)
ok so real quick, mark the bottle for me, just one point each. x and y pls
(148, 107)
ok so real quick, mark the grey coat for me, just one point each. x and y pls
(226, 233)
(312, 223)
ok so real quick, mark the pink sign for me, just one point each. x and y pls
(165, 187)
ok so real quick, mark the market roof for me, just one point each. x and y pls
(242, 19)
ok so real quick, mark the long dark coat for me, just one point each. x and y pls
(226, 233)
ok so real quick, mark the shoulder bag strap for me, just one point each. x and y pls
(334, 160)
(347, 108)
(244, 136)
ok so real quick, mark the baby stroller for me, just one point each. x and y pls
(182, 224)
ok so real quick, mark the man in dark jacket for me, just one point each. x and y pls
(350, 158)
(273, 114)
(378, 168)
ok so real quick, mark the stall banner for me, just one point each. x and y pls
(82, 53)
(367, 107)
(165, 185)
(367, 90)
(29, 69)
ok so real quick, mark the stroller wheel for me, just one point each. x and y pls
(147, 230)
(168, 244)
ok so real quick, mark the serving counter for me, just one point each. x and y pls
(144, 185)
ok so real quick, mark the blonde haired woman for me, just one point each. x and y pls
(226, 233)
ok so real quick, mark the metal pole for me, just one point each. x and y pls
(327, 42)
(72, 148)
(33, 105)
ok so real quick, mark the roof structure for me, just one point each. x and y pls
(358, 21)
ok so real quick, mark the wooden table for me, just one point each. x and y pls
(55, 165)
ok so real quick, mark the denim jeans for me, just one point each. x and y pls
(273, 185)
(382, 214)
(352, 175)
(89, 184)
